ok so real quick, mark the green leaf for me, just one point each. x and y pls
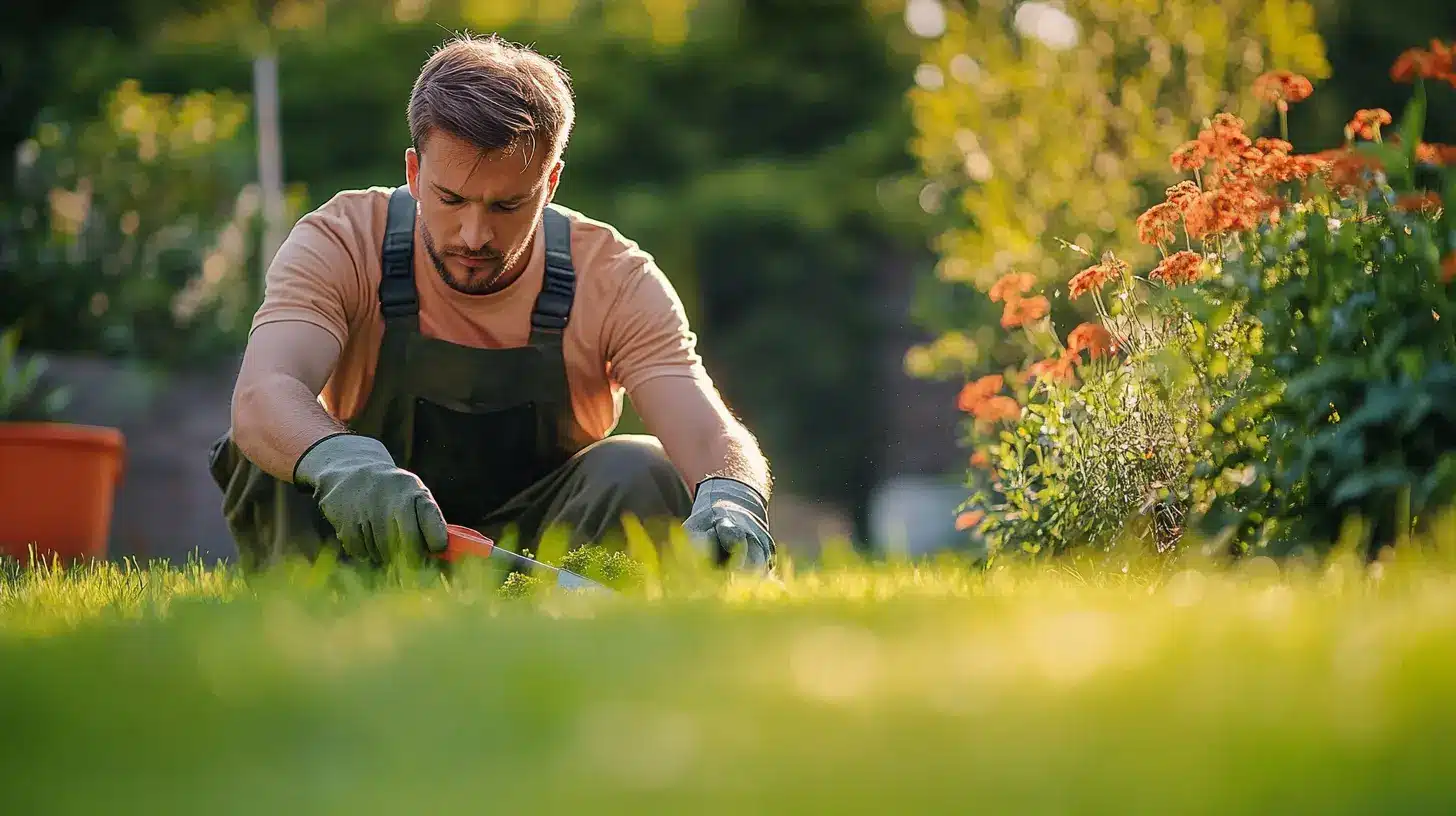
(1412, 125)
(1361, 484)
(1382, 404)
(1317, 380)
(1448, 214)
(1438, 487)
(1416, 411)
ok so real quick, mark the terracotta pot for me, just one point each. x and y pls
(57, 487)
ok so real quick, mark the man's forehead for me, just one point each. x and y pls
(468, 171)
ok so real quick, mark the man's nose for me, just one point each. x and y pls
(475, 231)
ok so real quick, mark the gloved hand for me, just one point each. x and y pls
(378, 509)
(730, 520)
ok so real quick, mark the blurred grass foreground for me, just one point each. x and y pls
(1111, 683)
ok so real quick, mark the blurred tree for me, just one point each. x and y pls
(40, 42)
(128, 235)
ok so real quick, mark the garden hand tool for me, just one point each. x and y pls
(465, 542)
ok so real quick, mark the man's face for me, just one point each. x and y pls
(478, 211)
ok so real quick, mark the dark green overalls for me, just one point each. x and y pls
(486, 430)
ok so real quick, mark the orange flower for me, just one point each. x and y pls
(1427, 200)
(1180, 193)
(1367, 121)
(969, 519)
(1178, 268)
(1348, 170)
(1439, 62)
(1090, 337)
(1053, 368)
(1226, 142)
(975, 393)
(1189, 156)
(1282, 88)
(1021, 311)
(1273, 145)
(1412, 63)
(980, 459)
(1011, 286)
(997, 409)
(1440, 155)
(1093, 278)
(1448, 267)
(1282, 168)
(1156, 225)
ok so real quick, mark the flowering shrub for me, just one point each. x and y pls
(1349, 412)
(1095, 440)
(1281, 367)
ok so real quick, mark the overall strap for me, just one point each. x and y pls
(558, 286)
(398, 300)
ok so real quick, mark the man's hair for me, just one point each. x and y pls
(493, 94)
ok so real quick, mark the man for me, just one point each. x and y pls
(457, 350)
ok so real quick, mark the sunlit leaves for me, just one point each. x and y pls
(1046, 142)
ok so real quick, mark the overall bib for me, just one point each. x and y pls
(478, 426)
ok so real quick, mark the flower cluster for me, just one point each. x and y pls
(1436, 63)
(983, 400)
(1179, 268)
(1366, 123)
(1441, 155)
(1097, 431)
(1094, 277)
(1282, 88)
(1019, 310)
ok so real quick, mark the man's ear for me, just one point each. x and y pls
(554, 180)
(412, 171)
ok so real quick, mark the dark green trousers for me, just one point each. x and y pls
(586, 498)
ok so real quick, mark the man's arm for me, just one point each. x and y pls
(699, 433)
(276, 414)
(653, 352)
(312, 295)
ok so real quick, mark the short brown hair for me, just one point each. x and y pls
(493, 94)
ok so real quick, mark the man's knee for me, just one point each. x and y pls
(634, 470)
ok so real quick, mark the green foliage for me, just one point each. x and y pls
(1289, 375)
(1350, 410)
(131, 234)
(614, 568)
(21, 396)
(1097, 450)
(520, 586)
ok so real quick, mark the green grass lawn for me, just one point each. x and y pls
(850, 689)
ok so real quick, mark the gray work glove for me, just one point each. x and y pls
(379, 510)
(729, 520)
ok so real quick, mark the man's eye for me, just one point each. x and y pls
(451, 202)
(503, 207)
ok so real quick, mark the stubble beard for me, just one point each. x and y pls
(482, 280)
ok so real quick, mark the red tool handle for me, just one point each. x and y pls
(464, 542)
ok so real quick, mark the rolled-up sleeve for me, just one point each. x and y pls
(314, 277)
(646, 332)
